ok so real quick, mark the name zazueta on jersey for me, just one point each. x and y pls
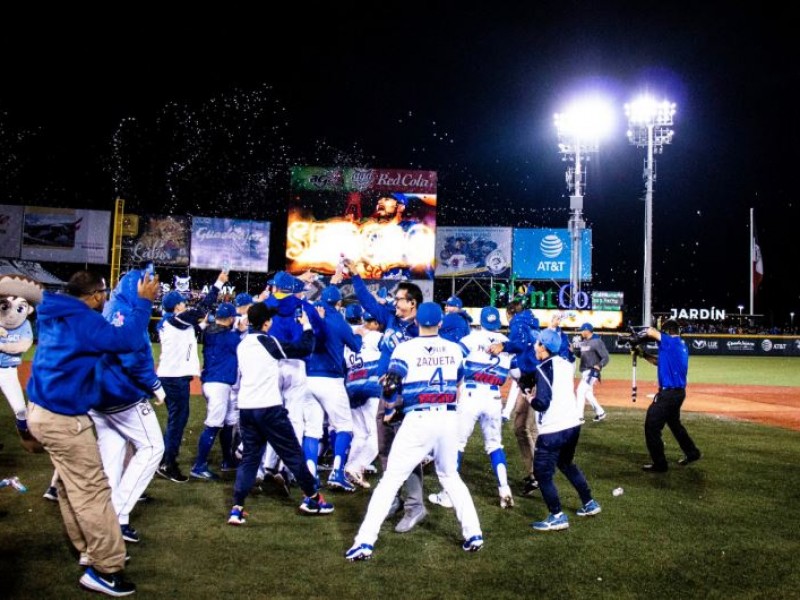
(431, 368)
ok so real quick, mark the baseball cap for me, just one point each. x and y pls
(331, 295)
(429, 314)
(454, 301)
(284, 282)
(586, 327)
(225, 310)
(298, 285)
(401, 198)
(243, 299)
(490, 318)
(368, 316)
(171, 300)
(353, 312)
(550, 339)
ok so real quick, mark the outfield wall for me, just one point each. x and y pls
(723, 345)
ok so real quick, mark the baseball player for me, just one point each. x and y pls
(480, 400)
(426, 372)
(220, 371)
(397, 319)
(262, 416)
(558, 417)
(588, 346)
(124, 415)
(178, 363)
(325, 368)
(363, 390)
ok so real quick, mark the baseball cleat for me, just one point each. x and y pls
(600, 417)
(203, 473)
(338, 481)
(507, 501)
(360, 552)
(357, 478)
(473, 544)
(237, 516)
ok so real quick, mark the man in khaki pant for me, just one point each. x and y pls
(62, 389)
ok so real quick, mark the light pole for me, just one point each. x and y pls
(791, 319)
(741, 308)
(649, 125)
(580, 129)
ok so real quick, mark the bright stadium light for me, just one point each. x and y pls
(580, 129)
(649, 123)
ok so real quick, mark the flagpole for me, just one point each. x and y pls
(752, 261)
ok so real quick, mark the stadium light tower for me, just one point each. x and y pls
(580, 129)
(649, 123)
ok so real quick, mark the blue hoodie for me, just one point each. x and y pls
(327, 359)
(126, 379)
(72, 339)
(285, 327)
(455, 325)
(522, 335)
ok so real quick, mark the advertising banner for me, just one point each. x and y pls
(163, 240)
(10, 230)
(546, 254)
(65, 235)
(724, 345)
(382, 219)
(240, 245)
(473, 251)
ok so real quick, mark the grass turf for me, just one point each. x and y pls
(725, 527)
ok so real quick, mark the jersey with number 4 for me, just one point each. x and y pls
(479, 365)
(431, 369)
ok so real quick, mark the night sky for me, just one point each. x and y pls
(205, 113)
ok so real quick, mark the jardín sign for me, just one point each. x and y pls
(702, 314)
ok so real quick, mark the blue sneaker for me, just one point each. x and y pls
(315, 506)
(552, 523)
(111, 584)
(338, 481)
(588, 509)
(360, 552)
(237, 516)
(129, 534)
(473, 544)
(202, 472)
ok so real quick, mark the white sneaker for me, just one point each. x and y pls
(442, 499)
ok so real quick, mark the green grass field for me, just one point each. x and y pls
(725, 527)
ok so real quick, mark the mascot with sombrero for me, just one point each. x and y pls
(18, 296)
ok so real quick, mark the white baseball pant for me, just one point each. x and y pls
(585, 393)
(139, 426)
(364, 447)
(332, 396)
(220, 408)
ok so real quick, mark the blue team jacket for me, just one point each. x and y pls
(219, 355)
(126, 378)
(72, 339)
(327, 359)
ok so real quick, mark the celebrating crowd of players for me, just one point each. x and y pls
(395, 379)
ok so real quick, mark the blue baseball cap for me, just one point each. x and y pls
(331, 295)
(298, 285)
(368, 316)
(586, 327)
(550, 339)
(284, 282)
(225, 310)
(243, 299)
(171, 300)
(454, 301)
(429, 314)
(353, 312)
(490, 318)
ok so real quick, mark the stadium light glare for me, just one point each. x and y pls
(649, 123)
(580, 129)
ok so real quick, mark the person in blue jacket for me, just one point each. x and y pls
(326, 370)
(64, 385)
(219, 374)
(457, 322)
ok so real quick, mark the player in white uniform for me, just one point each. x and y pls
(480, 400)
(363, 389)
(426, 371)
